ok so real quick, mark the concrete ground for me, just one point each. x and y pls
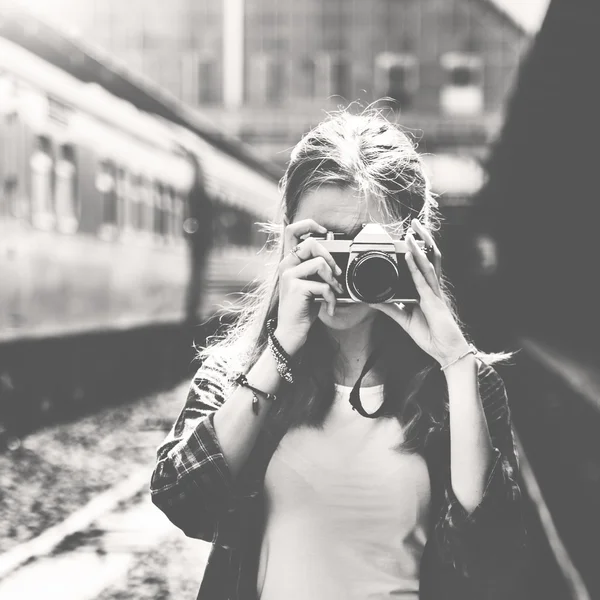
(131, 553)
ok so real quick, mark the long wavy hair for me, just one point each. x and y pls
(371, 155)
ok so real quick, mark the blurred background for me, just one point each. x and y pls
(140, 144)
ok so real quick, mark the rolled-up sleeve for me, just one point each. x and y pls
(191, 482)
(489, 541)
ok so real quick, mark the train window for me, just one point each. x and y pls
(106, 185)
(11, 196)
(167, 206)
(67, 201)
(462, 93)
(125, 188)
(144, 195)
(159, 210)
(168, 230)
(172, 225)
(42, 184)
(146, 222)
(138, 202)
(13, 201)
(397, 77)
(178, 216)
(5, 200)
(4, 203)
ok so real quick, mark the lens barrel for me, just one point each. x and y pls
(372, 277)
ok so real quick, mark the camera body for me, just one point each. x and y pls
(373, 265)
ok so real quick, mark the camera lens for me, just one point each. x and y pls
(372, 277)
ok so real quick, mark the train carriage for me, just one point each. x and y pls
(92, 207)
(107, 215)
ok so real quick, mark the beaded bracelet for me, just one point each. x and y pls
(471, 350)
(242, 380)
(283, 360)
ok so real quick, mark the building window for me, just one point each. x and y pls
(397, 77)
(334, 76)
(307, 79)
(276, 83)
(67, 201)
(257, 78)
(267, 80)
(42, 170)
(341, 77)
(462, 93)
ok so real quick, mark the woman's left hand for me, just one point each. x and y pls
(431, 323)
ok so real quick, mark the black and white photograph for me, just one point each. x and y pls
(299, 300)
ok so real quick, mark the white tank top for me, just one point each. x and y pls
(346, 511)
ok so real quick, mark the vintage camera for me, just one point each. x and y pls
(373, 266)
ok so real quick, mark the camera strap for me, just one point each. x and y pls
(355, 393)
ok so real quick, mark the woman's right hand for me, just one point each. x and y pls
(298, 309)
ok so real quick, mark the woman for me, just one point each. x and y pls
(302, 496)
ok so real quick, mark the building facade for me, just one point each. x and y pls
(267, 70)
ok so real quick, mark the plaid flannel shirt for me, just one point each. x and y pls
(464, 554)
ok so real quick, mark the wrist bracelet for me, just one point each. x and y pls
(283, 360)
(242, 380)
(471, 350)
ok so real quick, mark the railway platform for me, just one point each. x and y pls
(89, 563)
(117, 545)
